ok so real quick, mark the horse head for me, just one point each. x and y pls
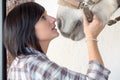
(69, 15)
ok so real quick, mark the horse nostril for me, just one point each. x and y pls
(79, 23)
(59, 23)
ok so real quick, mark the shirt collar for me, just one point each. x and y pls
(36, 52)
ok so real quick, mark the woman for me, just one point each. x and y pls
(28, 31)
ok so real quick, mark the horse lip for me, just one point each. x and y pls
(59, 23)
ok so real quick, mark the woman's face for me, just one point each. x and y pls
(45, 28)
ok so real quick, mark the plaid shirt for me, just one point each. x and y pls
(39, 67)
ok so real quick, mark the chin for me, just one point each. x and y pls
(56, 35)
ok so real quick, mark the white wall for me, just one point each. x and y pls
(73, 55)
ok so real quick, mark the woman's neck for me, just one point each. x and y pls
(44, 45)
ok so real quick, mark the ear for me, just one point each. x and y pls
(118, 1)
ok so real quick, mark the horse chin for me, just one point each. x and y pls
(75, 36)
(76, 33)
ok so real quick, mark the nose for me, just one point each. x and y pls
(52, 19)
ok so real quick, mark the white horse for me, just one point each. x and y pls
(69, 15)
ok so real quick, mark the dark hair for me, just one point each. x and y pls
(19, 28)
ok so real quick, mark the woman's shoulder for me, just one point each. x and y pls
(32, 58)
(24, 60)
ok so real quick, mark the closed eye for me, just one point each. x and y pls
(43, 17)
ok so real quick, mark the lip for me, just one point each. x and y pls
(53, 28)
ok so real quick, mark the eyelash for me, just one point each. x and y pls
(43, 17)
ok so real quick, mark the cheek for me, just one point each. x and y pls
(42, 31)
